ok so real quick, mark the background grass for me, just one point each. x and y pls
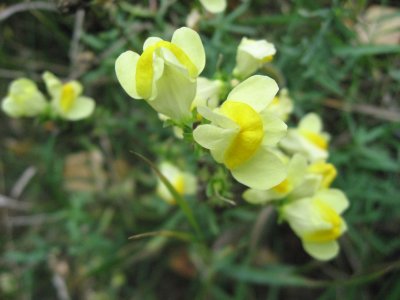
(81, 238)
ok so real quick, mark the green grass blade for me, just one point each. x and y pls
(271, 275)
(281, 275)
(183, 204)
(183, 236)
(367, 50)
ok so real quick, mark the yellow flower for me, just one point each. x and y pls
(326, 171)
(251, 55)
(183, 182)
(296, 171)
(317, 221)
(67, 101)
(207, 93)
(303, 180)
(23, 99)
(165, 74)
(282, 105)
(242, 133)
(214, 6)
(307, 139)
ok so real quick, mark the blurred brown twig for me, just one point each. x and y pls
(377, 112)
(13, 9)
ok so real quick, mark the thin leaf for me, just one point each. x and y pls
(277, 275)
(183, 204)
(280, 275)
(183, 236)
(366, 50)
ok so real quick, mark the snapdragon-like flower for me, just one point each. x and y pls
(303, 180)
(214, 6)
(24, 99)
(183, 182)
(296, 184)
(307, 139)
(251, 55)
(67, 102)
(242, 133)
(317, 221)
(325, 171)
(207, 93)
(165, 73)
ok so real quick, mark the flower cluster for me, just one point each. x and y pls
(241, 121)
(24, 99)
(304, 198)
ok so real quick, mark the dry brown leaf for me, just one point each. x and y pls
(264, 256)
(121, 168)
(84, 172)
(181, 264)
(377, 112)
(19, 147)
(379, 25)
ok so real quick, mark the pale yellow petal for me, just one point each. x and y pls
(311, 122)
(256, 91)
(125, 69)
(189, 41)
(77, 87)
(322, 251)
(304, 217)
(207, 93)
(294, 142)
(335, 198)
(251, 55)
(259, 197)
(249, 138)
(83, 107)
(297, 169)
(282, 105)
(263, 171)
(190, 184)
(10, 107)
(306, 188)
(274, 129)
(53, 84)
(216, 118)
(24, 99)
(150, 42)
(214, 138)
(158, 67)
(175, 94)
(246, 65)
(214, 6)
(259, 49)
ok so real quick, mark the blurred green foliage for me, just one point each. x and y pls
(81, 234)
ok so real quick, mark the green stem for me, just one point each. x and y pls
(183, 204)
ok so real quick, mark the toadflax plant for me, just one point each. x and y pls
(240, 118)
(244, 131)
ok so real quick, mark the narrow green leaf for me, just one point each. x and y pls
(281, 275)
(183, 236)
(358, 50)
(183, 204)
(277, 275)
